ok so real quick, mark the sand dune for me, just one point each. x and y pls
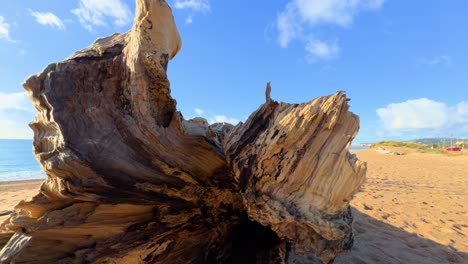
(412, 209)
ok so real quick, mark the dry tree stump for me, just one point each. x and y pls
(130, 181)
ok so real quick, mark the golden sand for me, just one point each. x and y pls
(11, 193)
(412, 209)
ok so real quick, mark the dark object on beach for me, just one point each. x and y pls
(454, 149)
(6, 212)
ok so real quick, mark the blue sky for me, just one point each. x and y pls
(404, 64)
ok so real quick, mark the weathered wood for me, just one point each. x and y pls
(130, 181)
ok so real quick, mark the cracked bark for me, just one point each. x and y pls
(130, 181)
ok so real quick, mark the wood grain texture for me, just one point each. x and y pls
(130, 181)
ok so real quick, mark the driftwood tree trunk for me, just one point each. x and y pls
(130, 181)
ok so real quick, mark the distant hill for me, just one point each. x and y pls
(419, 147)
(436, 141)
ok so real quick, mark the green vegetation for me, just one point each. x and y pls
(437, 141)
(423, 148)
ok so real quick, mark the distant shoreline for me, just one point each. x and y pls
(9, 182)
(30, 139)
(15, 186)
(361, 144)
(20, 175)
(357, 147)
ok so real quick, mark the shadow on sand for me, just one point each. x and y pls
(378, 242)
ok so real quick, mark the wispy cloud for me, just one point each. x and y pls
(4, 29)
(16, 111)
(48, 19)
(300, 17)
(93, 13)
(223, 119)
(216, 118)
(189, 20)
(424, 116)
(318, 49)
(17, 101)
(442, 60)
(199, 111)
(289, 26)
(194, 6)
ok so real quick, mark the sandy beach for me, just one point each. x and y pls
(12, 192)
(412, 209)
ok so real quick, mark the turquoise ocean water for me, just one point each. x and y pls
(17, 161)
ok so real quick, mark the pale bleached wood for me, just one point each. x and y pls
(130, 181)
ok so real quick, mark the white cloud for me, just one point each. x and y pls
(199, 111)
(16, 112)
(301, 17)
(424, 115)
(194, 5)
(289, 28)
(96, 12)
(4, 29)
(18, 101)
(225, 119)
(216, 118)
(437, 60)
(338, 12)
(48, 19)
(414, 114)
(321, 50)
(462, 113)
(14, 125)
(189, 20)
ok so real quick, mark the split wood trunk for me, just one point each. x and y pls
(130, 181)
